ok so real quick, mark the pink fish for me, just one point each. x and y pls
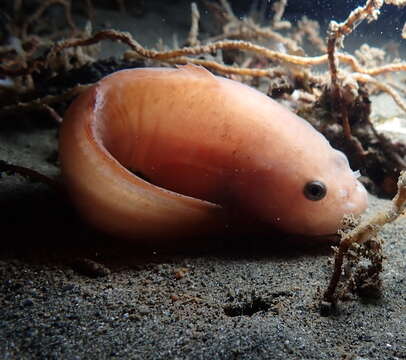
(162, 153)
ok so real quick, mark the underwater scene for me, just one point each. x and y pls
(208, 179)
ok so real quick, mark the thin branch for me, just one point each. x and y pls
(45, 101)
(127, 39)
(30, 173)
(364, 232)
(382, 87)
(194, 28)
(337, 32)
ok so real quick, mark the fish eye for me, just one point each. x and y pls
(315, 190)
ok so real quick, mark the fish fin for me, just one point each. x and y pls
(196, 70)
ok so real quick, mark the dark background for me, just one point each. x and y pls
(389, 23)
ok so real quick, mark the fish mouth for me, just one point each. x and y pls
(358, 200)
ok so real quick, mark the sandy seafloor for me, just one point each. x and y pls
(156, 306)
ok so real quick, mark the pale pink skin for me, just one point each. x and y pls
(203, 136)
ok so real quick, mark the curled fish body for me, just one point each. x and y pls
(166, 153)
